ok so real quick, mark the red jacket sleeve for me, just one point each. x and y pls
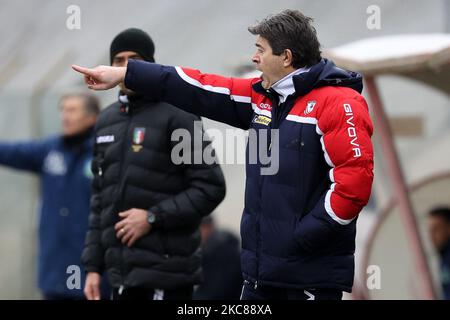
(345, 130)
(346, 133)
(219, 98)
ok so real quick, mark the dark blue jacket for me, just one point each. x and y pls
(65, 183)
(445, 271)
(299, 221)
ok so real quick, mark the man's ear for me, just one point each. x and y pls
(287, 61)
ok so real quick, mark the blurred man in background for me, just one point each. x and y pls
(146, 209)
(221, 263)
(439, 230)
(63, 164)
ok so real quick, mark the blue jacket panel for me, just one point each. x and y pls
(445, 271)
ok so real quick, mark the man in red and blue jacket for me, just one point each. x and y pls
(299, 224)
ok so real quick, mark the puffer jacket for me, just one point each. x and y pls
(133, 168)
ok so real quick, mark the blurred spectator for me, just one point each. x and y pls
(221, 264)
(63, 164)
(439, 228)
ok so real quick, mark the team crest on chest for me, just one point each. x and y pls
(310, 107)
(138, 138)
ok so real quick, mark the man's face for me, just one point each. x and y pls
(74, 117)
(121, 60)
(439, 231)
(272, 66)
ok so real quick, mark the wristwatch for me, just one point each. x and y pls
(155, 220)
(151, 217)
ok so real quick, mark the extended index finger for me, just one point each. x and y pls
(83, 70)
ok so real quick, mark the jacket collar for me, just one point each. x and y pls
(285, 86)
(323, 73)
(79, 142)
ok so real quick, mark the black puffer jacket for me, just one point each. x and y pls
(132, 168)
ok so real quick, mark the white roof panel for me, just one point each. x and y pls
(424, 57)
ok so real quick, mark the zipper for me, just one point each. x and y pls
(274, 122)
(278, 110)
(100, 170)
(262, 178)
(121, 193)
(165, 243)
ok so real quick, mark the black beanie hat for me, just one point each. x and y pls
(133, 40)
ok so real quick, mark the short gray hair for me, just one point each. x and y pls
(91, 102)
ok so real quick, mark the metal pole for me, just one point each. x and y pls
(401, 191)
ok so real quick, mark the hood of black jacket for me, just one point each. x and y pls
(326, 73)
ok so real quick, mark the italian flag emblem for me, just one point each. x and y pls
(138, 135)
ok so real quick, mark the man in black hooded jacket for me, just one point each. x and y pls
(146, 209)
